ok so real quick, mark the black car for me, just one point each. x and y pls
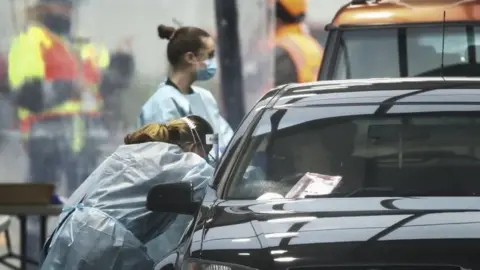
(392, 168)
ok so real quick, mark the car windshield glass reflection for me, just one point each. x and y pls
(309, 153)
(408, 52)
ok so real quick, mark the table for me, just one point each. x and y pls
(22, 212)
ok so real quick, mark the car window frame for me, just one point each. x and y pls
(248, 148)
(228, 164)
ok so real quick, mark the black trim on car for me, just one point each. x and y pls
(232, 160)
(331, 49)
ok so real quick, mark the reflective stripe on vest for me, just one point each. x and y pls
(70, 108)
(305, 53)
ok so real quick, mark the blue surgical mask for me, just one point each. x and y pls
(207, 72)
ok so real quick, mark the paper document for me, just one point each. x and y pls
(313, 184)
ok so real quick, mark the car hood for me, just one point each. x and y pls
(283, 234)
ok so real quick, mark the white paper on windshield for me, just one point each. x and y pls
(313, 184)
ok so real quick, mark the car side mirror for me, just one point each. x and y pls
(172, 198)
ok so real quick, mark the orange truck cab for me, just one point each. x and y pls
(403, 38)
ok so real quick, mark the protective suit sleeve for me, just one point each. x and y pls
(199, 176)
(224, 129)
(158, 111)
(91, 240)
(111, 228)
(285, 70)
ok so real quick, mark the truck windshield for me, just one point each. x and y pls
(408, 52)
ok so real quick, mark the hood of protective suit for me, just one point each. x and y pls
(107, 213)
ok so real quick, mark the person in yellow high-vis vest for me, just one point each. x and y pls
(45, 78)
(94, 59)
(298, 55)
(47, 84)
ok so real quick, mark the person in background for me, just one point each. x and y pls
(117, 78)
(6, 119)
(298, 55)
(191, 54)
(95, 59)
(4, 86)
(48, 87)
(106, 224)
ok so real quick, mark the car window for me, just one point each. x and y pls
(354, 150)
(407, 52)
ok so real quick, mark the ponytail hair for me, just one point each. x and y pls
(178, 131)
(153, 132)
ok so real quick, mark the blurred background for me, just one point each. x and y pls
(111, 22)
(129, 27)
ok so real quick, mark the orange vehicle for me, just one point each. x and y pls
(403, 38)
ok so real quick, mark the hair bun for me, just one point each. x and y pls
(165, 32)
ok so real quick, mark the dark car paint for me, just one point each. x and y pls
(286, 234)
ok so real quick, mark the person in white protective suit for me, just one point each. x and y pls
(191, 54)
(105, 224)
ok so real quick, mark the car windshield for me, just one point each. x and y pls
(413, 150)
(408, 52)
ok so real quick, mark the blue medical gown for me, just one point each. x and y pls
(167, 104)
(109, 226)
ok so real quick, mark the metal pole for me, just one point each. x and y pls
(230, 60)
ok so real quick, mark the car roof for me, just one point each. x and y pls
(428, 90)
(388, 12)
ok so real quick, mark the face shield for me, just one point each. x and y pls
(198, 146)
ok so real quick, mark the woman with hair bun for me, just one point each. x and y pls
(191, 54)
(106, 224)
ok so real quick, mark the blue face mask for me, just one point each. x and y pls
(207, 72)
